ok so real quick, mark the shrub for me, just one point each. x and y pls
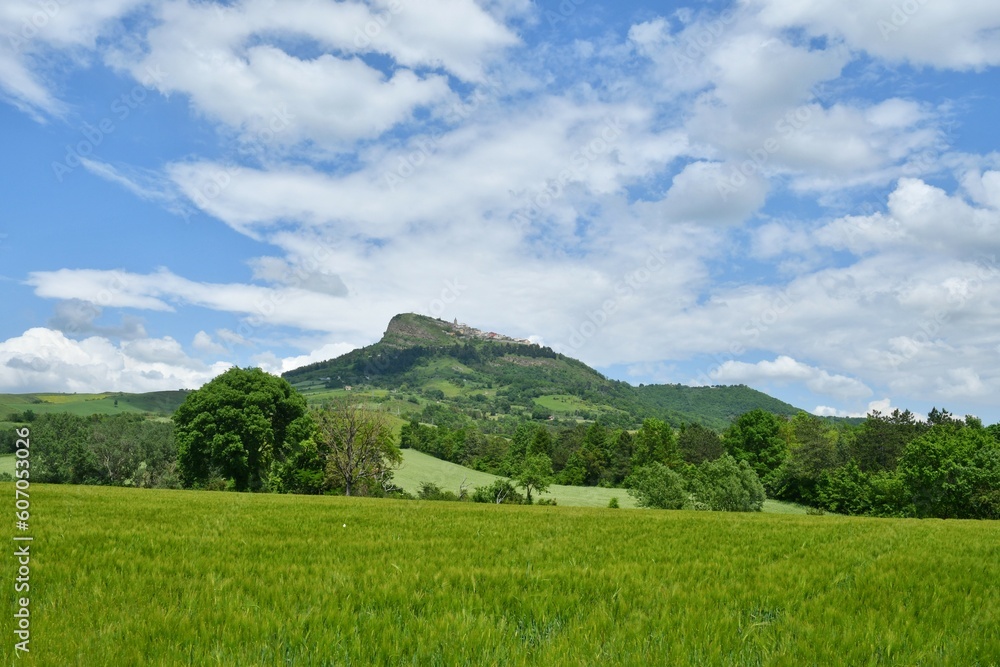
(431, 491)
(613, 503)
(728, 486)
(547, 501)
(658, 487)
(501, 491)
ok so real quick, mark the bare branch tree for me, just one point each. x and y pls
(361, 452)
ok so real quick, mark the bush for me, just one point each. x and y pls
(547, 501)
(501, 491)
(728, 486)
(658, 487)
(613, 503)
(430, 491)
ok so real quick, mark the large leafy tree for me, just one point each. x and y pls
(880, 440)
(759, 438)
(237, 427)
(813, 453)
(697, 444)
(655, 442)
(953, 472)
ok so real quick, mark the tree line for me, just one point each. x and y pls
(247, 430)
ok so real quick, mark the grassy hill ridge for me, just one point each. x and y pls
(486, 375)
(156, 402)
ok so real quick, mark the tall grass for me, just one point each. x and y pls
(145, 577)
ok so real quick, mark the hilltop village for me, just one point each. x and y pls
(460, 330)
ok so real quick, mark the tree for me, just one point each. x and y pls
(812, 453)
(358, 446)
(593, 453)
(697, 444)
(655, 442)
(620, 458)
(237, 427)
(658, 487)
(518, 449)
(574, 473)
(728, 486)
(759, 438)
(535, 475)
(541, 443)
(880, 440)
(953, 472)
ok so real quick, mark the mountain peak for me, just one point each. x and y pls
(409, 329)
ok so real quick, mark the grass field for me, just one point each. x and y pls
(562, 403)
(7, 463)
(419, 467)
(135, 577)
(82, 405)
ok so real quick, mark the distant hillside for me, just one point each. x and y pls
(489, 377)
(713, 405)
(157, 402)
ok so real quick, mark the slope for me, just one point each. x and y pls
(486, 376)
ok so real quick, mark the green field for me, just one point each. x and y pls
(82, 405)
(135, 577)
(562, 403)
(419, 467)
(7, 463)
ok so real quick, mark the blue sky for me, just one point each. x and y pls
(800, 196)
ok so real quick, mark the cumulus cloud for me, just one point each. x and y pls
(707, 192)
(271, 363)
(203, 342)
(45, 360)
(884, 406)
(924, 217)
(785, 369)
(75, 317)
(238, 63)
(944, 35)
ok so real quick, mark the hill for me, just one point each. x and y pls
(157, 402)
(488, 376)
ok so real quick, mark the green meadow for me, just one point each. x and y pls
(83, 405)
(152, 577)
(418, 468)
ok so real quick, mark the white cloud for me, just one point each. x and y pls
(955, 35)
(704, 192)
(785, 369)
(163, 291)
(203, 342)
(46, 360)
(33, 30)
(923, 217)
(240, 64)
(884, 406)
(271, 363)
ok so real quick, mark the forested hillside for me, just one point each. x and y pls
(485, 375)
